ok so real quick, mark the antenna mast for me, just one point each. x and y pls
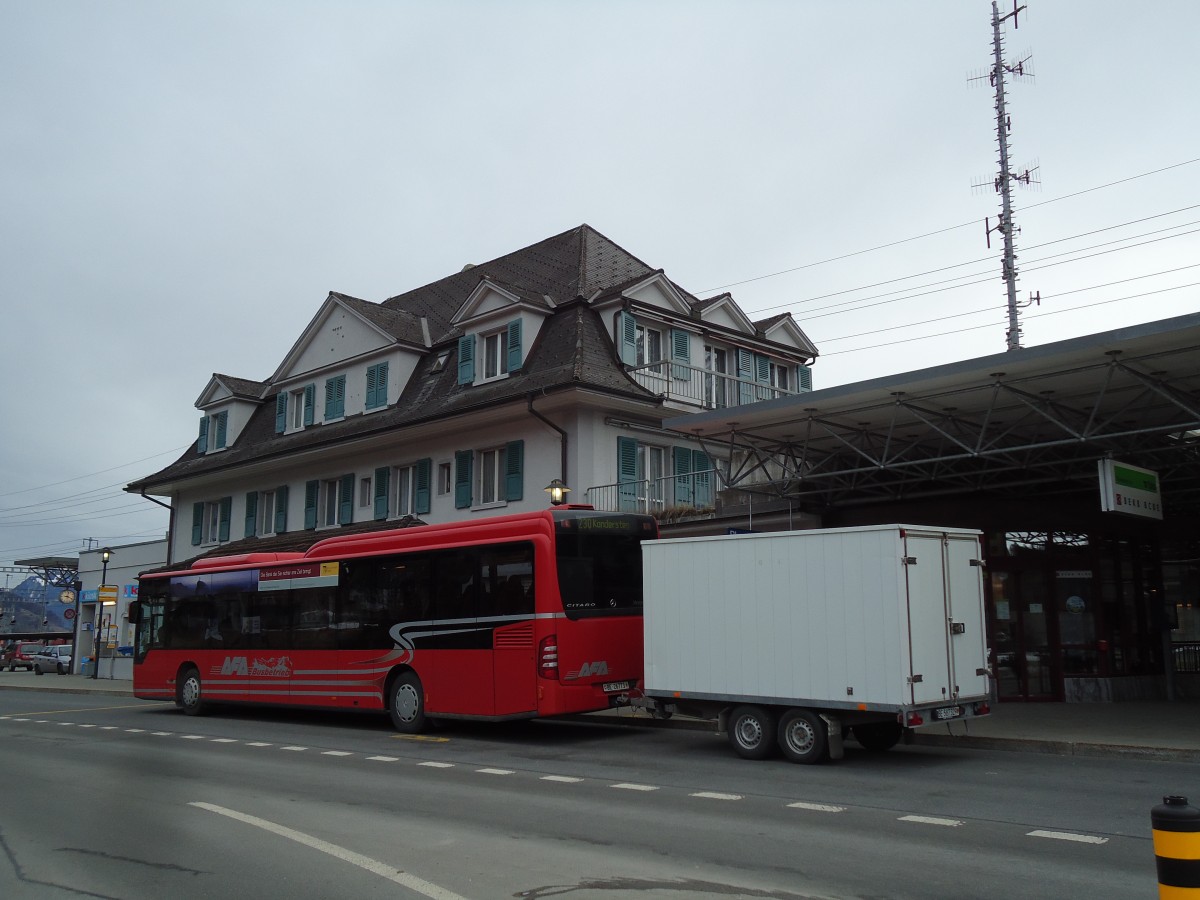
(1006, 177)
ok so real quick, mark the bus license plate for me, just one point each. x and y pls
(612, 686)
(948, 712)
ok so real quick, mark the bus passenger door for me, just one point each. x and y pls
(507, 605)
(455, 660)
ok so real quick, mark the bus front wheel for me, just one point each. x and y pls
(190, 695)
(407, 704)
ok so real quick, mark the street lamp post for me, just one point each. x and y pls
(557, 491)
(105, 555)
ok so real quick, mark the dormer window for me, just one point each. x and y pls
(213, 432)
(500, 350)
(300, 403)
(335, 398)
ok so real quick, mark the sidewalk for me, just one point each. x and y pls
(1155, 730)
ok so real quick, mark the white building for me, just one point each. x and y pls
(468, 396)
(110, 622)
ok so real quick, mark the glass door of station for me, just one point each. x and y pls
(1023, 638)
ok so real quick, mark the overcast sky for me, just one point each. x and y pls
(183, 183)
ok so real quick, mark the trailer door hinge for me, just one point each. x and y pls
(910, 560)
(916, 679)
(978, 562)
(958, 627)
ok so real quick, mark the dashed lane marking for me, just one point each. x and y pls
(258, 744)
(714, 795)
(384, 758)
(336, 753)
(495, 771)
(931, 820)
(296, 749)
(816, 807)
(627, 786)
(562, 779)
(1068, 836)
(224, 741)
(437, 765)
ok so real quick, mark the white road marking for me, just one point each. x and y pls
(297, 749)
(191, 737)
(108, 727)
(1067, 836)
(385, 758)
(87, 726)
(224, 741)
(20, 720)
(437, 765)
(714, 795)
(816, 807)
(336, 753)
(564, 779)
(495, 771)
(66, 723)
(162, 733)
(412, 882)
(136, 730)
(626, 786)
(931, 820)
(259, 744)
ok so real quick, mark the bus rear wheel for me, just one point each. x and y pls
(189, 694)
(406, 703)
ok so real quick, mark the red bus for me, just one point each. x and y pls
(511, 617)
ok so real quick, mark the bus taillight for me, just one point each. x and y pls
(548, 657)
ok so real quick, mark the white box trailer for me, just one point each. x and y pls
(799, 638)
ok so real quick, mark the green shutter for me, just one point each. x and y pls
(222, 421)
(514, 470)
(312, 491)
(684, 495)
(462, 478)
(383, 477)
(202, 439)
(310, 402)
(281, 412)
(251, 514)
(335, 398)
(346, 501)
(377, 386)
(281, 501)
(422, 491)
(681, 352)
(804, 378)
(514, 345)
(223, 520)
(627, 338)
(466, 359)
(197, 523)
(627, 473)
(745, 370)
(703, 478)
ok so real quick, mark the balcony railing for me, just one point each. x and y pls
(664, 498)
(691, 386)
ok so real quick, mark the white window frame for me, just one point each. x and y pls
(329, 503)
(489, 482)
(493, 350)
(212, 523)
(779, 376)
(648, 343)
(445, 478)
(296, 399)
(366, 496)
(403, 499)
(716, 385)
(265, 514)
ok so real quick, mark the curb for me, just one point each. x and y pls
(1059, 748)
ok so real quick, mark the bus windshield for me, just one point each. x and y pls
(600, 564)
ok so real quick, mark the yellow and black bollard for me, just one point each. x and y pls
(1177, 848)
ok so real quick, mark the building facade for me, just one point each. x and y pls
(466, 397)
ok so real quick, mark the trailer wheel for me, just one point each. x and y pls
(750, 730)
(803, 737)
(878, 736)
(407, 704)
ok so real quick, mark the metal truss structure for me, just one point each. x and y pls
(1033, 420)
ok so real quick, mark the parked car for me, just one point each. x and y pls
(53, 659)
(20, 656)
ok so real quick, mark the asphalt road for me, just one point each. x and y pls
(127, 799)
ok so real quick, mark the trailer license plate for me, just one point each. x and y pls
(611, 686)
(948, 712)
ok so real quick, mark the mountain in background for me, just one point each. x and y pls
(25, 606)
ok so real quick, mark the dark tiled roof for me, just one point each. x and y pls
(765, 324)
(576, 263)
(400, 324)
(243, 387)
